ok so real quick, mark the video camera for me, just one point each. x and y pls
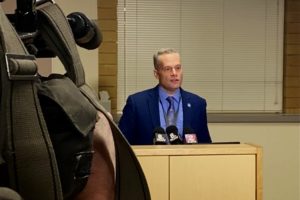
(26, 22)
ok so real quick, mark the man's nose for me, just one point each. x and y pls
(173, 71)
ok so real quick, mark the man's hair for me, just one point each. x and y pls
(156, 60)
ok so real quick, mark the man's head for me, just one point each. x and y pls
(167, 69)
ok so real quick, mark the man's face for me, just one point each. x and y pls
(169, 72)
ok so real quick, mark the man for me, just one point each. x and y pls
(149, 109)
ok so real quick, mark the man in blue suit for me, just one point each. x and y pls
(144, 111)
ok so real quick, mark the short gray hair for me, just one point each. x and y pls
(156, 61)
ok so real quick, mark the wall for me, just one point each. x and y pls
(281, 153)
(107, 14)
(292, 57)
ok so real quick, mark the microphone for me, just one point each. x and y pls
(85, 31)
(160, 136)
(190, 136)
(172, 132)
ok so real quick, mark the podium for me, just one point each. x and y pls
(208, 172)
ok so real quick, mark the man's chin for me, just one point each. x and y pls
(174, 88)
(176, 85)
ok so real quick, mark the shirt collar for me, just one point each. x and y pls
(164, 95)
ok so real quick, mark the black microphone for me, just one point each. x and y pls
(172, 132)
(160, 136)
(85, 31)
(190, 137)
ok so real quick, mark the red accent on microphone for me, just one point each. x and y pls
(190, 139)
(190, 136)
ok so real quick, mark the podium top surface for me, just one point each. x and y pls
(196, 149)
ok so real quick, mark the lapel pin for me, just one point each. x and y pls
(189, 105)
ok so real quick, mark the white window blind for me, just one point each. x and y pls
(231, 50)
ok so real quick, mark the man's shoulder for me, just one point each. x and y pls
(143, 93)
(191, 95)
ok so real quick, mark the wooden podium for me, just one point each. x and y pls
(208, 172)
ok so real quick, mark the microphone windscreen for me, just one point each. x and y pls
(159, 130)
(172, 132)
(159, 136)
(172, 129)
(190, 136)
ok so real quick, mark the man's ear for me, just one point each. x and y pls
(155, 72)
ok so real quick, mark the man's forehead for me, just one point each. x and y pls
(169, 57)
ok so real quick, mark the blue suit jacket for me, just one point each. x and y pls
(141, 116)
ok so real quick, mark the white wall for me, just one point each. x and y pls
(281, 153)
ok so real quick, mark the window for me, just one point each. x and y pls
(231, 50)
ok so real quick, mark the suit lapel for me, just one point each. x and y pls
(153, 106)
(187, 108)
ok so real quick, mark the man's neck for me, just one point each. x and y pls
(169, 92)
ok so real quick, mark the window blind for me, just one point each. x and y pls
(231, 50)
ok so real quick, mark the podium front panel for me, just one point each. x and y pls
(209, 172)
(212, 177)
(156, 169)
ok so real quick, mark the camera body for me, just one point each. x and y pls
(26, 22)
